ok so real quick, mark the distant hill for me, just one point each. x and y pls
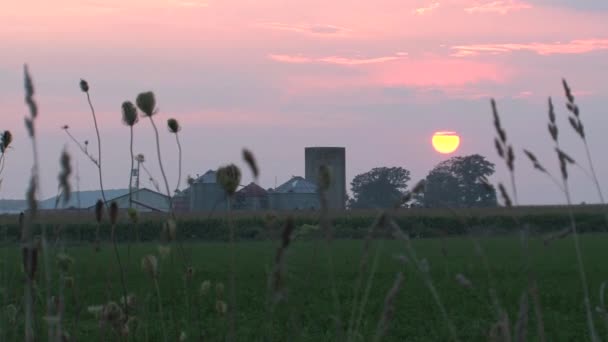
(85, 199)
(82, 199)
(11, 206)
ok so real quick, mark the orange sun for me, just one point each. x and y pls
(446, 142)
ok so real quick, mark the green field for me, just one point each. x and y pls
(308, 311)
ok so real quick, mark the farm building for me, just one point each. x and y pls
(251, 197)
(181, 200)
(295, 194)
(143, 200)
(206, 194)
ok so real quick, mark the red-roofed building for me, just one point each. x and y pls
(251, 197)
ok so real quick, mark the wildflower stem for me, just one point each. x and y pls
(131, 171)
(232, 329)
(179, 174)
(122, 273)
(160, 163)
(160, 308)
(581, 267)
(103, 195)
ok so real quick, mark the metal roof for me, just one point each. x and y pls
(209, 177)
(252, 190)
(297, 184)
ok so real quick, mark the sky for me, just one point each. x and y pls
(275, 76)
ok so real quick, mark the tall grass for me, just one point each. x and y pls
(348, 309)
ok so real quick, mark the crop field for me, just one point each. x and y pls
(324, 293)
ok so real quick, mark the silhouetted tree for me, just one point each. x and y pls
(381, 187)
(457, 182)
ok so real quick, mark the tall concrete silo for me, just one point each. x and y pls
(335, 160)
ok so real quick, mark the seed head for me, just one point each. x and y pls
(551, 111)
(64, 175)
(567, 90)
(229, 178)
(250, 160)
(149, 264)
(164, 251)
(219, 289)
(499, 148)
(64, 262)
(84, 86)
(146, 102)
(205, 287)
(510, 157)
(113, 212)
(29, 100)
(129, 113)
(505, 195)
(5, 140)
(221, 307)
(131, 301)
(111, 313)
(553, 131)
(173, 125)
(534, 161)
(98, 211)
(463, 281)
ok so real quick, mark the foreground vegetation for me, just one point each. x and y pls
(306, 312)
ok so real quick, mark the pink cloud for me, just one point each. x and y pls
(438, 72)
(499, 6)
(580, 46)
(325, 30)
(294, 59)
(426, 9)
(337, 60)
(455, 78)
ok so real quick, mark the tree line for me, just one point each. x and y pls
(459, 182)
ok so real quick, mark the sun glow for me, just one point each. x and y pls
(446, 142)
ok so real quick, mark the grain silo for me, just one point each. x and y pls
(207, 195)
(334, 158)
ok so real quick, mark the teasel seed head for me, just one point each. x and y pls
(173, 126)
(229, 178)
(84, 86)
(129, 113)
(146, 102)
(221, 307)
(149, 264)
(205, 287)
(98, 211)
(5, 140)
